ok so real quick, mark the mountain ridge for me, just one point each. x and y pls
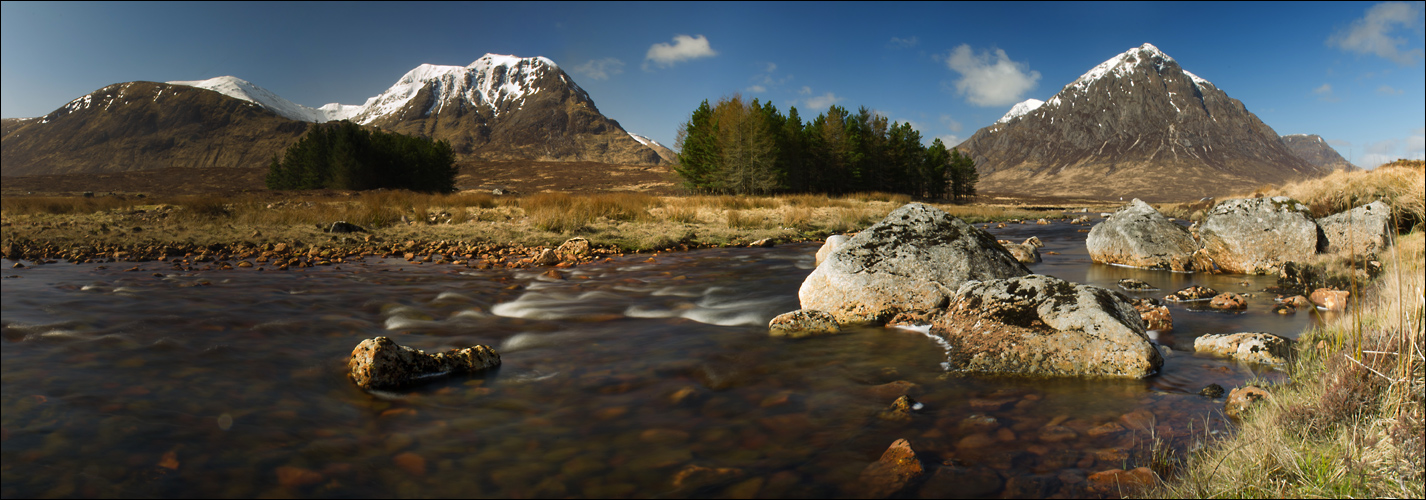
(1136, 125)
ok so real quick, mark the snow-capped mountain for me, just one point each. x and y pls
(496, 108)
(664, 152)
(1135, 125)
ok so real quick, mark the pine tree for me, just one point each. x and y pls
(698, 150)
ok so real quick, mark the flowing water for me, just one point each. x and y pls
(619, 379)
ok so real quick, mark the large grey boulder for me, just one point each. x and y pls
(381, 363)
(830, 245)
(1139, 236)
(1042, 325)
(1258, 235)
(913, 260)
(1360, 231)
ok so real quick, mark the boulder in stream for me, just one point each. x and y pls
(803, 323)
(1026, 253)
(1359, 231)
(897, 468)
(1259, 235)
(912, 260)
(1139, 236)
(380, 363)
(1041, 325)
(1251, 347)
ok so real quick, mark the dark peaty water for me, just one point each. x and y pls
(615, 379)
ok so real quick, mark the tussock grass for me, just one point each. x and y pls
(67, 205)
(1350, 422)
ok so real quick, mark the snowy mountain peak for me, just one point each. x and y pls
(1021, 108)
(239, 88)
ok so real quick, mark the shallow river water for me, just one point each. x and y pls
(619, 380)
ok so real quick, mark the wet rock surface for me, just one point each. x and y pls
(1192, 293)
(803, 323)
(1154, 314)
(893, 473)
(1041, 325)
(1251, 347)
(379, 363)
(1228, 301)
(1331, 300)
(914, 259)
(1258, 235)
(1243, 399)
(1139, 236)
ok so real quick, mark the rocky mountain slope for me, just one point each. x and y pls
(146, 126)
(496, 108)
(1313, 149)
(1136, 126)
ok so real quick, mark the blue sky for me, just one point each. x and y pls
(1350, 72)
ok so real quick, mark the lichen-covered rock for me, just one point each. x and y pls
(1241, 399)
(573, 248)
(380, 363)
(1154, 314)
(891, 474)
(1192, 293)
(831, 244)
(1041, 325)
(1026, 253)
(1360, 231)
(1251, 347)
(803, 323)
(1258, 235)
(1140, 236)
(914, 259)
(1228, 301)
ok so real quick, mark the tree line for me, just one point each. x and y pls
(344, 155)
(741, 147)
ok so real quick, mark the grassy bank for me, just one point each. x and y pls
(398, 222)
(1350, 421)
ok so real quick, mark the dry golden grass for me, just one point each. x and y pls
(1401, 184)
(1349, 423)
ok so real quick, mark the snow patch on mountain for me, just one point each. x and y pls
(500, 82)
(239, 88)
(644, 140)
(1021, 108)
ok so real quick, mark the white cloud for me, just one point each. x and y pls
(823, 101)
(757, 89)
(990, 78)
(903, 43)
(1413, 147)
(1372, 33)
(805, 90)
(771, 67)
(1387, 90)
(1324, 93)
(600, 69)
(950, 140)
(684, 48)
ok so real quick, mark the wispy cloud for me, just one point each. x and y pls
(951, 123)
(1324, 93)
(805, 90)
(600, 69)
(1412, 147)
(684, 48)
(757, 89)
(903, 43)
(822, 101)
(1372, 33)
(990, 78)
(1387, 90)
(950, 140)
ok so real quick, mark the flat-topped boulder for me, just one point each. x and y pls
(1042, 325)
(803, 323)
(1251, 347)
(381, 363)
(1139, 236)
(1258, 235)
(1363, 230)
(913, 260)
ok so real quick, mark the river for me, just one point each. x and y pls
(619, 379)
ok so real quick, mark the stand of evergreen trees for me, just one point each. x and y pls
(741, 147)
(343, 155)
